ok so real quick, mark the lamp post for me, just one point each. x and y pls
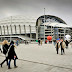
(11, 34)
(44, 25)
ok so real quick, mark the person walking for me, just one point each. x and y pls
(45, 41)
(5, 49)
(41, 42)
(54, 42)
(66, 42)
(57, 46)
(62, 47)
(12, 55)
(17, 42)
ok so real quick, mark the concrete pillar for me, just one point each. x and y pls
(68, 31)
(15, 29)
(36, 32)
(30, 31)
(64, 33)
(1, 30)
(25, 30)
(20, 29)
(51, 30)
(11, 29)
(60, 34)
(7, 30)
(4, 30)
(57, 33)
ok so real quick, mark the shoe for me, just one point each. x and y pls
(1, 65)
(15, 66)
(9, 68)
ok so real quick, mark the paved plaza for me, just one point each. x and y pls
(35, 58)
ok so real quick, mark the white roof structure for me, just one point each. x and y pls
(17, 25)
(55, 24)
(27, 20)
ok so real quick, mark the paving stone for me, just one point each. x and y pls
(35, 58)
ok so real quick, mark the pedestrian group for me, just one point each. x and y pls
(62, 44)
(9, 52)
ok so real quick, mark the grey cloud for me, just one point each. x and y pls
(60, 8)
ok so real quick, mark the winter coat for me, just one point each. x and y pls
(5, 48)
(11, 52)
(58, 45)
(66, 43)
(62, 44)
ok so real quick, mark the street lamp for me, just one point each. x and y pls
(11, 34)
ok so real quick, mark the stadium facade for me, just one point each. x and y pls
(20, 26)
(53, 26)
(33, 27)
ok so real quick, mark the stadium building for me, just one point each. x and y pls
(32, 28)
(18, 27)
(53, 26)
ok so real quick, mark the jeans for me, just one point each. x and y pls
(10, 62)
(62, 51)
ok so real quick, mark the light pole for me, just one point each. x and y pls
(44, 25)
(11, 24)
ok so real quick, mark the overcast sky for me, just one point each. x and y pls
(59, 8)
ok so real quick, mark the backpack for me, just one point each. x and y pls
(5, 48)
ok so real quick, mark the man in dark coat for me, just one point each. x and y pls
(57, 46)
(39, 41)
(12, 55)
(66, 42)
(62, 47)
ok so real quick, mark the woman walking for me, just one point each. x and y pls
(12, 55)
(5, 49)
